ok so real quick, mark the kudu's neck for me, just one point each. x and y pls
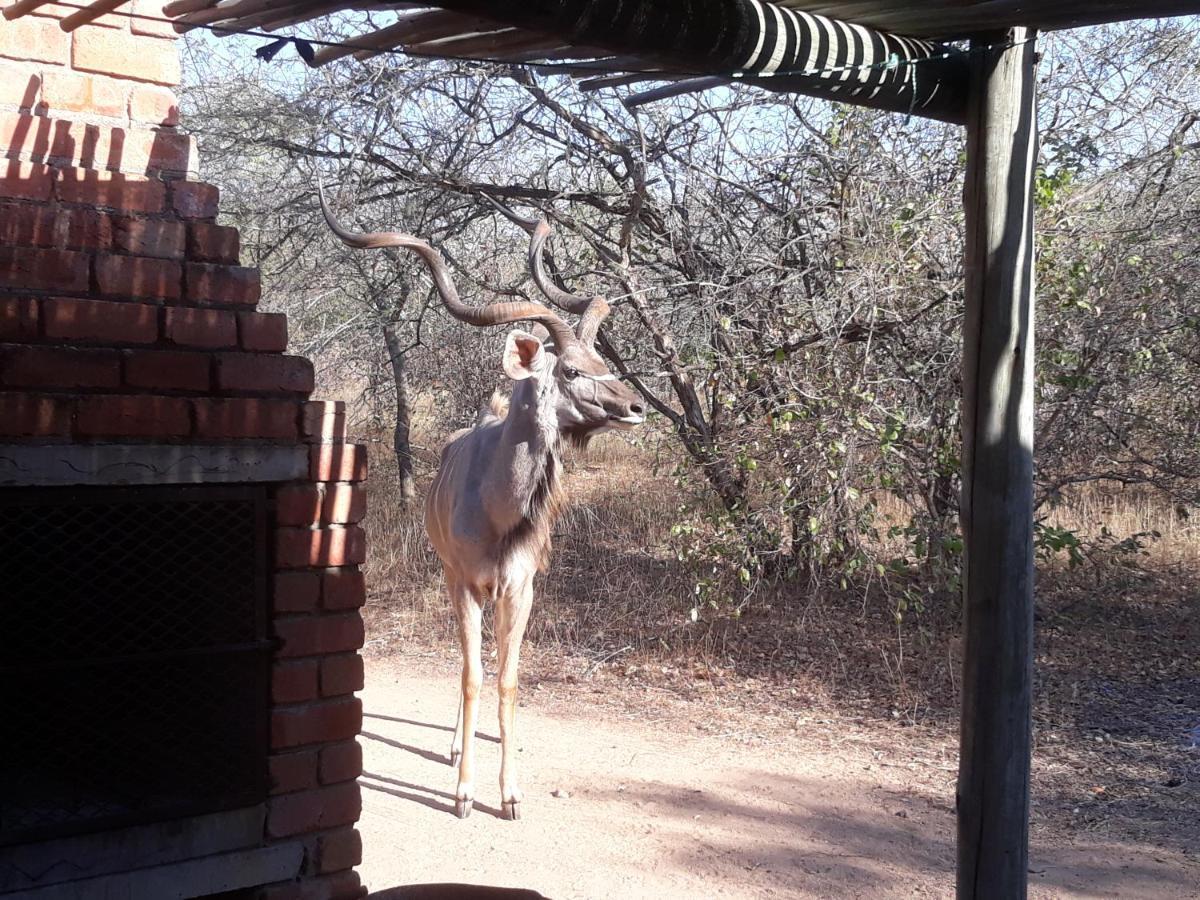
(525, 464)
(533, 414)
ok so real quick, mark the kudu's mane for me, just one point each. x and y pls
(495, 410)
(531, 534)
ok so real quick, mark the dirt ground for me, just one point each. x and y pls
(634, 792)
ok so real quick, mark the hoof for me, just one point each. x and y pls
(462, 808)
(511, 809)
(455, 756)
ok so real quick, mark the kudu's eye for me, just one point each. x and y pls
(570, 373)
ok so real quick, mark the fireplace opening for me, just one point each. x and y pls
(134, 659)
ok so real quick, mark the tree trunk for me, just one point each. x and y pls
(400, 437)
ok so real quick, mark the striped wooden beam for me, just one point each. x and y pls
(759, 42)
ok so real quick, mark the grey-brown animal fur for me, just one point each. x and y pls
(492, 505)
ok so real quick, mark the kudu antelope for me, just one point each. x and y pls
(497, 492)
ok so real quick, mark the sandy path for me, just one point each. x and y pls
(656, 809)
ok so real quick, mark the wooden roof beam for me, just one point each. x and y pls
(410, 31)
(758, 42)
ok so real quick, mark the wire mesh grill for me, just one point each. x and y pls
(133, 677)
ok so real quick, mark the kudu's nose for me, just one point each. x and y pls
(637, 409)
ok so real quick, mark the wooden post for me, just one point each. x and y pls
(997, 495)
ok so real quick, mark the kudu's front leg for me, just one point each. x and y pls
(468, 611)
(512, 614)
(456, 743)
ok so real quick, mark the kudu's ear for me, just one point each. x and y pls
(523, 355)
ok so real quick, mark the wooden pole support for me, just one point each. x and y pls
(997, 492)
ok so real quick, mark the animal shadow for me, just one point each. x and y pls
(449, 891)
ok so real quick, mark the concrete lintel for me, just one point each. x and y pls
(84, 464)
(24, 867)
(191, 878)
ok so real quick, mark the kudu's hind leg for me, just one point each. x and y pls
(468, 611)
(512, 614)
(456, 744)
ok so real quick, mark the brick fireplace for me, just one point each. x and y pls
(179, 625)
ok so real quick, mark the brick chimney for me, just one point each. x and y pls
(135, 368)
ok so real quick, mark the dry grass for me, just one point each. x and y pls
(616, 591)
(1171, 534)
(1117, 692)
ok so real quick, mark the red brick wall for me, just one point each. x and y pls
(126, 317)
(315, 717)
